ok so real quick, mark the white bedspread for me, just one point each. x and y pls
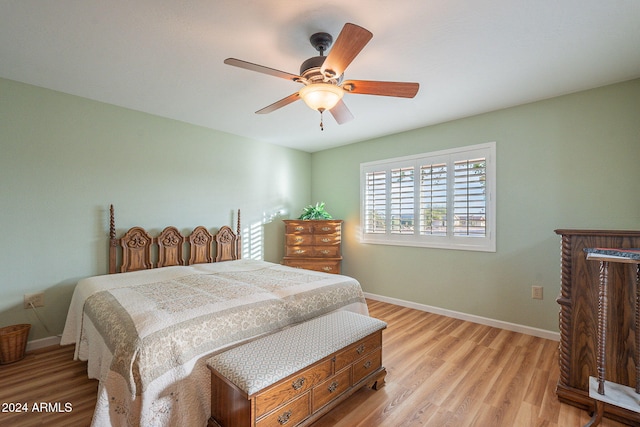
(145, 334)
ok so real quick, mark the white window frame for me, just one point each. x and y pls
(486, 243)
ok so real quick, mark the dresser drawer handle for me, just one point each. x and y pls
(326, 240)
(327, 268)
(325, 252)
(299, 251)
(360, 349)
(367, 364)
(326, 228)
(333, 387)
(284, 418)
(297, 384)
(299, 239)
(299, 228)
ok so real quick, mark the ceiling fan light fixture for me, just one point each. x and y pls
(321, 96)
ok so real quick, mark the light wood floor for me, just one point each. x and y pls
(441, 372)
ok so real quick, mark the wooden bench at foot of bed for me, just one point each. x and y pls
(296, 375)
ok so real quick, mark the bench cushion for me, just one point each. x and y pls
(265, 361)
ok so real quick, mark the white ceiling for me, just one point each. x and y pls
(166, 57)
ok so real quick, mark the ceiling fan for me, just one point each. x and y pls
(322, 76)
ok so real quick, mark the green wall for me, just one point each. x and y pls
(567, 162)
(64, 159)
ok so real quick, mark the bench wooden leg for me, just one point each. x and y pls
(377, 382)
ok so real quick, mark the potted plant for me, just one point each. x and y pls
(315, 212)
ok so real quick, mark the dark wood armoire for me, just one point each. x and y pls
(578, 302)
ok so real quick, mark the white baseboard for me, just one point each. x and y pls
(43, 342)
(542, 333)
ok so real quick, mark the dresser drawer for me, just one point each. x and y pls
(299, 384)
(326, 228)
(358, 350)
(326, 239)
(313, 251)
(299, 227)
(299, 251)
(330, 389)
(367, 365)
(318, 264)
(290, 414)
(299, 239)
(326, 251)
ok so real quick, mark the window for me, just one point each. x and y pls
(444, 199)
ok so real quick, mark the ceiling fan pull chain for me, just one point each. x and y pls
(321, 124)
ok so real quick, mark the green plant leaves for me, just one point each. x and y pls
(315, 212)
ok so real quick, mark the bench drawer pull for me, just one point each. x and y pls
(284, 418)
(333, 387)
(367, 364)
(360, 349)
(298, 384)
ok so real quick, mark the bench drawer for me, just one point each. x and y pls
(330, 389)
(290, 414)
(273, 397)
(367, 365)
(357, 350)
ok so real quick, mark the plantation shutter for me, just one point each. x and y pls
(375, 202)
(433, 199)
(443, 199)
(469, 200)
(402, 200)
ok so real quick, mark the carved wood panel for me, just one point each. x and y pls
(170, 243)
(138, 247)
(578, 302)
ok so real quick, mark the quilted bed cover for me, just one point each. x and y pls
(146, 334)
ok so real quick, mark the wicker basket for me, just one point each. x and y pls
(13, 342)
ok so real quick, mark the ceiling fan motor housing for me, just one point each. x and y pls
(310, 69)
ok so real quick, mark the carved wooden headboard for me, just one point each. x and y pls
(137, 247)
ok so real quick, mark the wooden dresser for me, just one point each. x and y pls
(578, 302)
(313, 244)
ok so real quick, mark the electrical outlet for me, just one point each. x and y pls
(536, 292)
(36, 299)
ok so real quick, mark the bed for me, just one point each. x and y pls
(169, 303)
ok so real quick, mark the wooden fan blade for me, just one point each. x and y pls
(341, 113)
(370, 87)
(261, 69)
(279, 104)
(351, 40)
